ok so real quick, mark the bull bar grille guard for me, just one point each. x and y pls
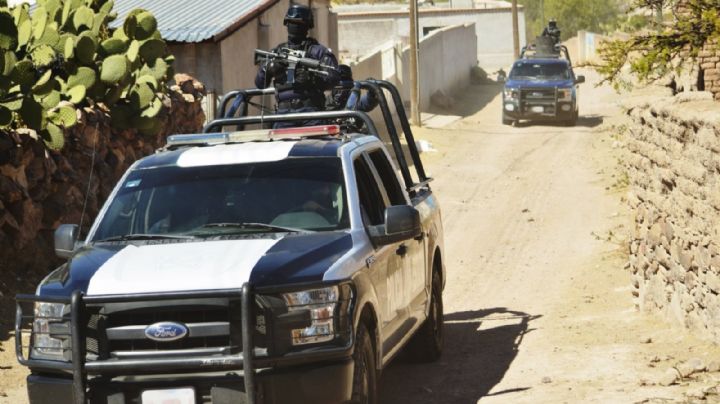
(80, 367)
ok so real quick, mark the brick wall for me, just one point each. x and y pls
(674, 173)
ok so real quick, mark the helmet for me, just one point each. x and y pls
(552, 23)
(299, 14)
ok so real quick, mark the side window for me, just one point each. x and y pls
(388, 177)
(372, 206)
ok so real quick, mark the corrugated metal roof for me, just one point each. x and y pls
(192, 20)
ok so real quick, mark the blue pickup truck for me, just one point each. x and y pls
(256, 266)
(541, 88)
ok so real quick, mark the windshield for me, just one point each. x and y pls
(293, 194)
(546, 71)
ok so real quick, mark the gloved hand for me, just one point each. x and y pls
(302, 77)
(275, 69)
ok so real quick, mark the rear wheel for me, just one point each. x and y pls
(364, 373)
(427, 344)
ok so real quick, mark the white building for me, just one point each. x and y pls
(363, 28)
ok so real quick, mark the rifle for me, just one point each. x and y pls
(293, 59)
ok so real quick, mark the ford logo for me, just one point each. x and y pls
(165, 331)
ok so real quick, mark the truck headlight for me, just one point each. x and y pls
(49, 323)
(321, 303)
(510, 93)
(565, 94)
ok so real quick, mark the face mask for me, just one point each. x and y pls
(297, 32)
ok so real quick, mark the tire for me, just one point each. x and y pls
(364, 373)
(427, 344)
(572, 121)
(506, 121)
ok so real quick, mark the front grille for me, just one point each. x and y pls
(539, 95)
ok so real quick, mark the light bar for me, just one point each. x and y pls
(305, 131)
(218, 138)
(209, 139)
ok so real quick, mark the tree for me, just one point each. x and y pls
(651, 55)
(571, 15)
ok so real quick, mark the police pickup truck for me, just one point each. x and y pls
(259, 266)
(542, 86)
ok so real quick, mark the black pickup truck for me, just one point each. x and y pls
(254, 266)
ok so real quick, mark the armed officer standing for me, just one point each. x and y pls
(300, 90)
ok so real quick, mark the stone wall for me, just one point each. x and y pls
(41, 189)
(674, 177)
(709, 61)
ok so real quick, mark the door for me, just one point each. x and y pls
(386, 269)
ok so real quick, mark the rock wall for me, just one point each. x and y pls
(41, 189)
(674, 176)
(709, 60)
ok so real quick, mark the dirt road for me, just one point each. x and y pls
(538, 305)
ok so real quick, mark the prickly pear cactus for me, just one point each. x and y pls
(65, 56)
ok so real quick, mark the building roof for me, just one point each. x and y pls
(195, 20)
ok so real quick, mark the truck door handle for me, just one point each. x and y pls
(402, 250)
(420, 236)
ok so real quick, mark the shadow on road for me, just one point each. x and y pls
(479, 348)
(584, 121)
(470, 100)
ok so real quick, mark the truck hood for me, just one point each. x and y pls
(513, 83)
(181, 265)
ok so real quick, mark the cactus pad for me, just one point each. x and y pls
(32, 114)
(84, 76)
(146, 25)
(43, 55)
(5, 117)
(8, 31)
(83, 18)
(7, 62)
(39, 22)
(85, 49)
(114, 69)
(54, 137)
(64, 115)
(113, 46)
(51, 100)
(152, 49)
(77, 94)
(24, 73)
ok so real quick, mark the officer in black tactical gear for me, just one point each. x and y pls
(306, 91)
(552, 31)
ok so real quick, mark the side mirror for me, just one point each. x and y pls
(65, 237)
(402, 222)
(580, 79)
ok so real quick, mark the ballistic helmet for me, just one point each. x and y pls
(299, 14)
(552, 23)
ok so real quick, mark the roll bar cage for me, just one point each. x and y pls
(376, 87)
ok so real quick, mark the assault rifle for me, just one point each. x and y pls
(292, 59)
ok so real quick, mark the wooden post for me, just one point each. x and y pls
(516, 29)
(414, 68)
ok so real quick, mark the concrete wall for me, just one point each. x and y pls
(192, 58)
(674, 175)
(455, 44)
(360, 32)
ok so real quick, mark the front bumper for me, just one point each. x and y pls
(321, 374)
(538, 110)
(323, 383)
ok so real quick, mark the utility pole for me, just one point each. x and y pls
(516, 30)
(414, 68)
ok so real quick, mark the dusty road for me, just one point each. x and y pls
(538, 305)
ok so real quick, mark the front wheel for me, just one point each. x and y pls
(364, 373)
(506, 120)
